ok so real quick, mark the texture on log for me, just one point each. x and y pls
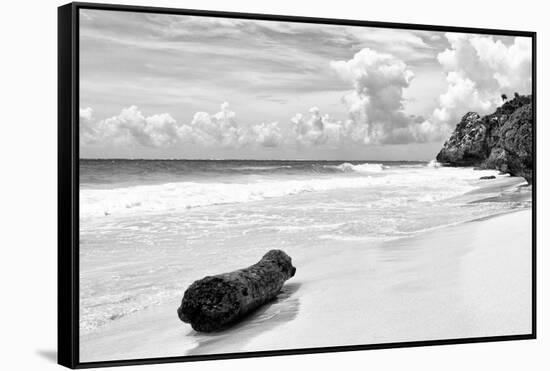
(214, 302)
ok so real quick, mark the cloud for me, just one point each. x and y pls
(317, 129)
(267, 135)
(220, 128)
(375, 106)
(407, 45)
(131, 127)
(86, 113)
(479, 69)
(462, 95)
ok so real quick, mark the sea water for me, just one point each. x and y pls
(148, 228)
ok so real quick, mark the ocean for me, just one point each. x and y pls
(148, 228)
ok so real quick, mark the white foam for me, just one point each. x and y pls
(434, 164)
(436, 184)
(186, 195)
(361, 168)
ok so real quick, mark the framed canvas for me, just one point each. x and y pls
(242, 185)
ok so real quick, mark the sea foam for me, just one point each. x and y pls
(360, 168)
(186, 195)
(180, 196)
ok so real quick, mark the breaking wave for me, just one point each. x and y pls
(434, 164)
(360, 168)
(187, 195)
(180, 196)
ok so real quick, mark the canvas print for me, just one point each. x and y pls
(252, 185)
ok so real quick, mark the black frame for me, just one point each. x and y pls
(68, 184)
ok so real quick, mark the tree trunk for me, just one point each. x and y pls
(214, 302)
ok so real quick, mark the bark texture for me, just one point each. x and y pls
(214, 302)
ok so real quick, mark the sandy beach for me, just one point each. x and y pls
(452, 282)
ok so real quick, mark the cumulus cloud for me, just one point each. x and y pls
(131, 127)
(317, 129)
(86, 113)
(479, 69)
(267, 135)
(375, 105)
(220, 128)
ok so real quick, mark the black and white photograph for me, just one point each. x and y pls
(250, 185)
(275, 185)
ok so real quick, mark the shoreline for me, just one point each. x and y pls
(400, 290)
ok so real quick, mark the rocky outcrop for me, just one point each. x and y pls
(502, 140)
(214, 302)
(467, 144)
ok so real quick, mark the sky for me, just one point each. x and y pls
(188, 87)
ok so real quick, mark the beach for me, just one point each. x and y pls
(449, 283)
(456, 264)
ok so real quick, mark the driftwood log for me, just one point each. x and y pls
(215, 302)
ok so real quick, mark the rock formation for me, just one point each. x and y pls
(215, 302)
(502, 140)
